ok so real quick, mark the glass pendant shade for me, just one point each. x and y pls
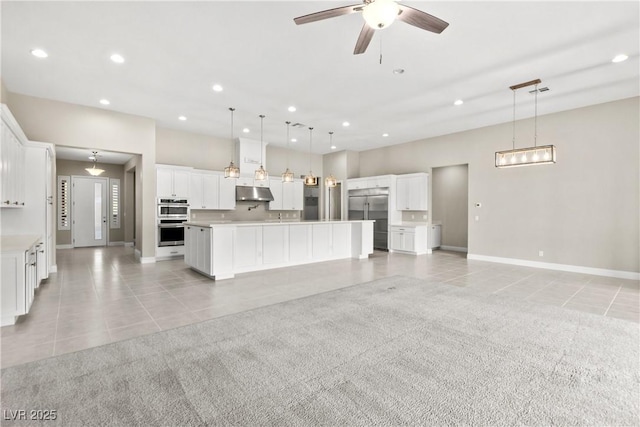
(541, 155)
(330, 181)
(310, 179)
(261, 174)
(287, 176)
(93, 171)
(380, 13)
(232, 171)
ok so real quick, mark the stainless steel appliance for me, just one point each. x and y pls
(171, 232)
(173, 208)
(311, 206)
(372, 203)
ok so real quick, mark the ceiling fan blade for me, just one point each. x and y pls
(329, 13)
(421, 19)
(366, 34)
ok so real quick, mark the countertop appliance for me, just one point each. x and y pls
(372, 203)
(173, 208)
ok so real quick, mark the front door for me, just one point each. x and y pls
(89, 214)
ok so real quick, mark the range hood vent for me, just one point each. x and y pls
(253, 194)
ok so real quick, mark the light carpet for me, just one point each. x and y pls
(397, 351)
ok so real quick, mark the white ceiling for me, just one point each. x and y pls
(176, 51)
(82, 155)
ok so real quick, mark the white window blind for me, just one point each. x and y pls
(114, 186)
(64, 202)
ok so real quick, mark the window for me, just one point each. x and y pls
(64, 203)
(114, 186)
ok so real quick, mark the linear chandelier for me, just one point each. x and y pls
(536, 155)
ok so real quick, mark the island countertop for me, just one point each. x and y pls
(222, 223)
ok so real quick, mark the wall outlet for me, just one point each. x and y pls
(286, 215)
(540, 253)
(424, 217)
(295, 215)
(221, 215)
(270, 215)
(413, 216)
(477, 218)
(193, 215)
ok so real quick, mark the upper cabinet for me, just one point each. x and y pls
(172, 181)
(11, 162)
(412, 192)
(287, 196)
(370, 182)
(211, 190)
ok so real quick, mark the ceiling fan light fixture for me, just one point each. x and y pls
(380, 13)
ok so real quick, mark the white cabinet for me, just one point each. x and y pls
(299, 242)
(412, 192)
(172, 182)
(287, 196)
(226, 193)
(275, 244)
(247, 251)
(410, 239)
(11, 162)
(370, 182)
(248, 181)
(211, 190)
(20, 278)
(198, 248)
(435, 236)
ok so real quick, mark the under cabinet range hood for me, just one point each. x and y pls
(253, 194)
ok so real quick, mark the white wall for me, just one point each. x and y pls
(450, 203)
(582, 211)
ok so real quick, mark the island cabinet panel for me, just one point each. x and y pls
(321, 241)
(299, 242)
(275, 244)
(341, 240)
(247, 251)
(238, 248)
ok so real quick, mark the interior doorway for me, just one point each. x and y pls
(450, 201)
(89, 211)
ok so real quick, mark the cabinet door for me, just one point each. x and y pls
(298, 242)
(195, 201)
(181, 183)
(278, 189)
(189, 247)
(275, 239)
(247, 248)
(210, 191)
(164, 182)
(396, 242)
(298, 195)
(402, 202)
(321, 241)
(244, 181)
(261, 182)
(409, 242)
(417, 193)
(341, 240)
(226, 193)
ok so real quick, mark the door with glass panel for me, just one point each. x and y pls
(89, 213)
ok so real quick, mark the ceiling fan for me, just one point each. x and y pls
(378, 14)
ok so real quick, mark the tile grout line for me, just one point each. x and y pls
(55, 334)
(612, 300)
(512, 284)
(574, 294)
(141, 304)
(104, 321)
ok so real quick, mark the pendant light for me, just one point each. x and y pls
(93, 171)
(287, 176)
(261, 174)
(310, 179)
(536, 155)
(331, 180)
(232, 171)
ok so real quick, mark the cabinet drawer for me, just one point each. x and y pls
(401, 229)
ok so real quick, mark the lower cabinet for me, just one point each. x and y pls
(209, 250)
(20, 275)
(435, 237)
(410, 239)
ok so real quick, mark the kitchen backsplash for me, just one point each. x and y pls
(415, 216)
(242, 213)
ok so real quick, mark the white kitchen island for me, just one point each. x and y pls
(220, 250)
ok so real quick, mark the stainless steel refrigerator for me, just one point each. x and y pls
(372, 203)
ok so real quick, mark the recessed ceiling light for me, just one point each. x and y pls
(104, 102)
(385, 135)
(39, 53)
(398, 71)
(333, 147)
(620, 58)
(246, 130)
(294, 140)
(458, 102)
(217, 88)
(345, 124)
(183, 118)
(117, 58)
(291, 109)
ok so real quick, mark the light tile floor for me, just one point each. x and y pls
(102, 295)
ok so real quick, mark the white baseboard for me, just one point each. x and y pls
(620, 274)
(116, 243)
(453, 248)
(64, 246)
(53, 269)
(129, 244)
(143, 260)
